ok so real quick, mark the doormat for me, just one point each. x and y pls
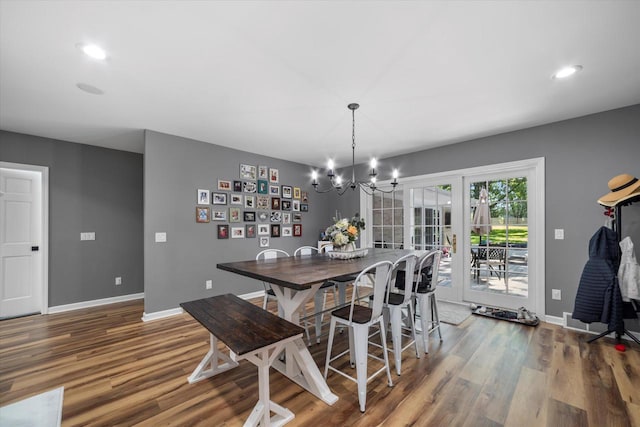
(453, 314)
(526, 317)
(42, 410)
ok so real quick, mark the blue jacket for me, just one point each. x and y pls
(598, 298)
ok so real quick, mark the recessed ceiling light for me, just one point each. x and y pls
(89, 89)
(565, 72)
(93, 51)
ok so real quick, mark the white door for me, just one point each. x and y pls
(433, 223)
(21, 259)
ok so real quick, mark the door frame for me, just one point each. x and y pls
(536, 210)
(44, 176)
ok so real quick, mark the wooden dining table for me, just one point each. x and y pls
(295, 280)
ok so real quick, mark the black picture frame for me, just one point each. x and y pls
(249, 216)
(275, 230)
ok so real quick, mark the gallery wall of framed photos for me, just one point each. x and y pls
(256, 204)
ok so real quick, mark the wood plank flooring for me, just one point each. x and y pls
(118, 371)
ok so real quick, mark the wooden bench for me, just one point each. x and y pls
(250, 333)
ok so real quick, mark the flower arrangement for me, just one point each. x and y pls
(344, 231)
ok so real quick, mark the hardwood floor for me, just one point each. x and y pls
(117, 370)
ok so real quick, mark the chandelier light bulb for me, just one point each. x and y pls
(330, 164)
(314, 175)
(373, 179)
(395, 174)
(338, 181)
(374, 163)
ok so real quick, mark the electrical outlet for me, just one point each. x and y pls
(559, 233)
(208, 284)
(556, 294)
(118, 281)
(161, 237)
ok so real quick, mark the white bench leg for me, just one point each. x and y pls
(213, 363)
(261, 414)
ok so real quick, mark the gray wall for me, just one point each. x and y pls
(581, 155)
(174, 169)
(90, 189)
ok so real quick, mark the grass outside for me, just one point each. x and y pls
(498, 235)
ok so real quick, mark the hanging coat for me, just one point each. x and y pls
(629, 272)
(598, 298)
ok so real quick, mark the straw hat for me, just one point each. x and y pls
(622, 187)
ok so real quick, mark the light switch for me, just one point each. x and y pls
(161, 237)
(559, 233)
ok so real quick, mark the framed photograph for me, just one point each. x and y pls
(203, 197)
(202, 214)
(305, 197)
(219, 198)
(275, 203)
(249, 216)
(250, 202)
(219, 215)
(274, 176)
(287, 192)
(263, 216)
(286, 217)
(237, 232)
(250, 231)
(274, 190)
(287, 232)
(249, 187)
(296, 192)
(263, 229)
(263, 172)
(236, 199)
(263, 186)
(295, 206)
(248, 172)
(264, 241)
(235, 215)
(237, 186)
(297, 230)
(297, 217)
(304, 207)
(223, 231)
(262, 202)
(275, 230)
(276, 216)
(224, 185)
(285, 205)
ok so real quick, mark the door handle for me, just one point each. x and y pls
(454, 244)
(35, 248)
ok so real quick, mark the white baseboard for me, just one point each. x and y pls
(93, 303)
(554, 320)
(146, 317)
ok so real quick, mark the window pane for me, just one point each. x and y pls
(377, 217)
(398, 216)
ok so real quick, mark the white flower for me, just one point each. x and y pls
(340, 240)
(342, 224)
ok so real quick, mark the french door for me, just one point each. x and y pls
(495, 260)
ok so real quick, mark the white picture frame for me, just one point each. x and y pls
(203, 197)
(237, 232)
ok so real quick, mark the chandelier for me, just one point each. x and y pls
(341, 187)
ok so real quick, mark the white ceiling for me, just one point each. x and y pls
(275, 78)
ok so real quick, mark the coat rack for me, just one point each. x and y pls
(618, 230)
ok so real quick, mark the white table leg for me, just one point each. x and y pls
(299, 365)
